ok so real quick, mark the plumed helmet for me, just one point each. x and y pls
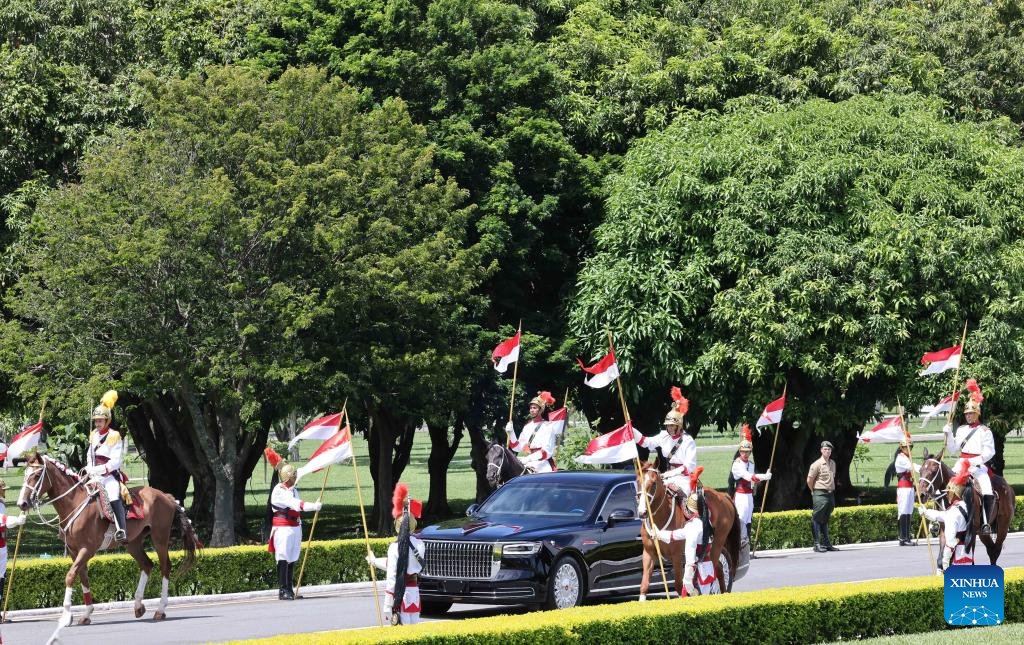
(543, 400)
(400, 502)
(974, 403)
(956, 484)
(107, 402)
(285, 470)
(746, 443)
(691, 504)
(288, 473)
(677, 412)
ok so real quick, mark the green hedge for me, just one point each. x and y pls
(40, 583)
(788, 615)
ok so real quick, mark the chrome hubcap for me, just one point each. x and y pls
(567, 586)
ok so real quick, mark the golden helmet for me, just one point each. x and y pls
(746, 446)
(107, 402)
(691, 504)
(288, 473)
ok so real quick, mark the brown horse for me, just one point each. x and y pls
(931, 484)
(666, 515)
(85, 531)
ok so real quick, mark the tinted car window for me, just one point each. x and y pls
(521, 497)
(622, 497)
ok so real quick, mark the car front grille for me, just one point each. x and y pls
(453, 559)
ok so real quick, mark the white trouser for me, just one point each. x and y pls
(112, 486)
(411, 607)
(541, 466)
(3, 562)
(980, 475)
(682, 482)
(904, 501)
(286, 542)
(745, 508)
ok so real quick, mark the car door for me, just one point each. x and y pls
(619, 558)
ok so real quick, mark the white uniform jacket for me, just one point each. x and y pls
(905, 484)
(743, 473)
(107, 450)
(954, 525)
(522, 442)
(411, 600)
(696, 563)
(681, 454)
(542, 449)
(979, 449)
(286, 533)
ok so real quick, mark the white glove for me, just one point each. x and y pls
(15, 521)
(508, 428)
(370, 560)
(948, 429)
(664, 535)
(765, 477)
(917, 468)
(312, 506)
(688, 574)
(921, 510)
(947, 557)
(637, 436)
(389, 600)
(96, 471)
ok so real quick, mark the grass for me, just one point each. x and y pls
(1009, 634)
(340, 517)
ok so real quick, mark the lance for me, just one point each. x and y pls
(764, 494)
(515, 373)
(366, 535)
(956, 388)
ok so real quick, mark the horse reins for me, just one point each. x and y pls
(37, 505)
(649, 522)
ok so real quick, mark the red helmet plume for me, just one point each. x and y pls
(546, 397)
(695, 477)
(682, 404)
(960, 479)
(398, 500)
(972, 387)
(272, 457)
(745, 433)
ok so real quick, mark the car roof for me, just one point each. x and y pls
(581, 476)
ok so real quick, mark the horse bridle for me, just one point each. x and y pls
(649, 520)
(934, 492)
(37, 505)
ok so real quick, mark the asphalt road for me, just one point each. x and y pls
(223, 621)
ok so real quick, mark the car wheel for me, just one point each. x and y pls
(436, 607)
(565, 586)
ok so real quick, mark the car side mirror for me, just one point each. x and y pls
(471, 511)
(620, 515)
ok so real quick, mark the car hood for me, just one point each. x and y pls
(494, 528)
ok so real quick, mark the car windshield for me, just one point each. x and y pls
(524, 497)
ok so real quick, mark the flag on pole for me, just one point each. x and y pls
(772, 413)
(603, 372)
(611, 448)
(942, 360)
(322, 428)
(506, 353)
(888, 431)
(333, 451)
(944, 405)
(22, 442)
(556, 421)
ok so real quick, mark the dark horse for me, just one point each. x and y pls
(85, 531)
(931, 485)
(665, 515)
(502, 465)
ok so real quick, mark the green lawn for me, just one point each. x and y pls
(1010, 634)
(340, 517)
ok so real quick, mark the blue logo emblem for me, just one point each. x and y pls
(973, 595)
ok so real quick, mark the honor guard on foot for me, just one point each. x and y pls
(678, 448)
(697, 535)
(905, 468)
(977, 447)
(536, 443)
(403, 563)
(745, 477)
(6, 522)
(286, 527)
(958, 524)
(105, 459)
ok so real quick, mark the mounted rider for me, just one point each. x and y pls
(958, 523)
(905, 469)
(285, 540)
(677, 448)
(698, 536)
(536, 443)
(745, 477)
(105, 459)
(977, 447)
(404, 561)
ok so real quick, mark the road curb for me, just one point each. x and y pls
(180, 601)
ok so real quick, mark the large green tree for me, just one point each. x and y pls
(203, 264)
(826, 247)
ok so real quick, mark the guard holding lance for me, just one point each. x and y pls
(404, 561)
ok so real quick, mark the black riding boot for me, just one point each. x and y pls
(120, 522)
(825, 542)
(990, 507)
(291, 580)
(816, 528)
(750, 536)
(905, 530)
(284, 590)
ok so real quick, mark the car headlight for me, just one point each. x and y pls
(520, 549)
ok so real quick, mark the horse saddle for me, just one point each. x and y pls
(135, 509)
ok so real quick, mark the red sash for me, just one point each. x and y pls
(905, 480)
(743, 486)
(287, 517)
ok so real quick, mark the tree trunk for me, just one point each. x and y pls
(441, 454)
(478, 460)
(390, 449)
(166, 472)
(788, 487)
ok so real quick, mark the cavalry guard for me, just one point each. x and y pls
(977, 447)
(105, 459)
(745, 477)
(958, 523)
(536, 443)
(697, 535)
(905, 468)
(403, 563)
(286, 527)
(678, 448)
(6, 522)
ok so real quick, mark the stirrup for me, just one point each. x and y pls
(986, 529)
(120, 536)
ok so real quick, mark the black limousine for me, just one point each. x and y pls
(549, 540)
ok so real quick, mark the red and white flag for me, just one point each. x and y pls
(888, 431)
(603, 372)
(944, 405)
(556, 420)
(322, 428)
(772, 412)
(942, 360)
(506, 353)
(611, 448)
(333, 451)
(22, 442)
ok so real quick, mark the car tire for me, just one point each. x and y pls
(436, 607)
(566, 585)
